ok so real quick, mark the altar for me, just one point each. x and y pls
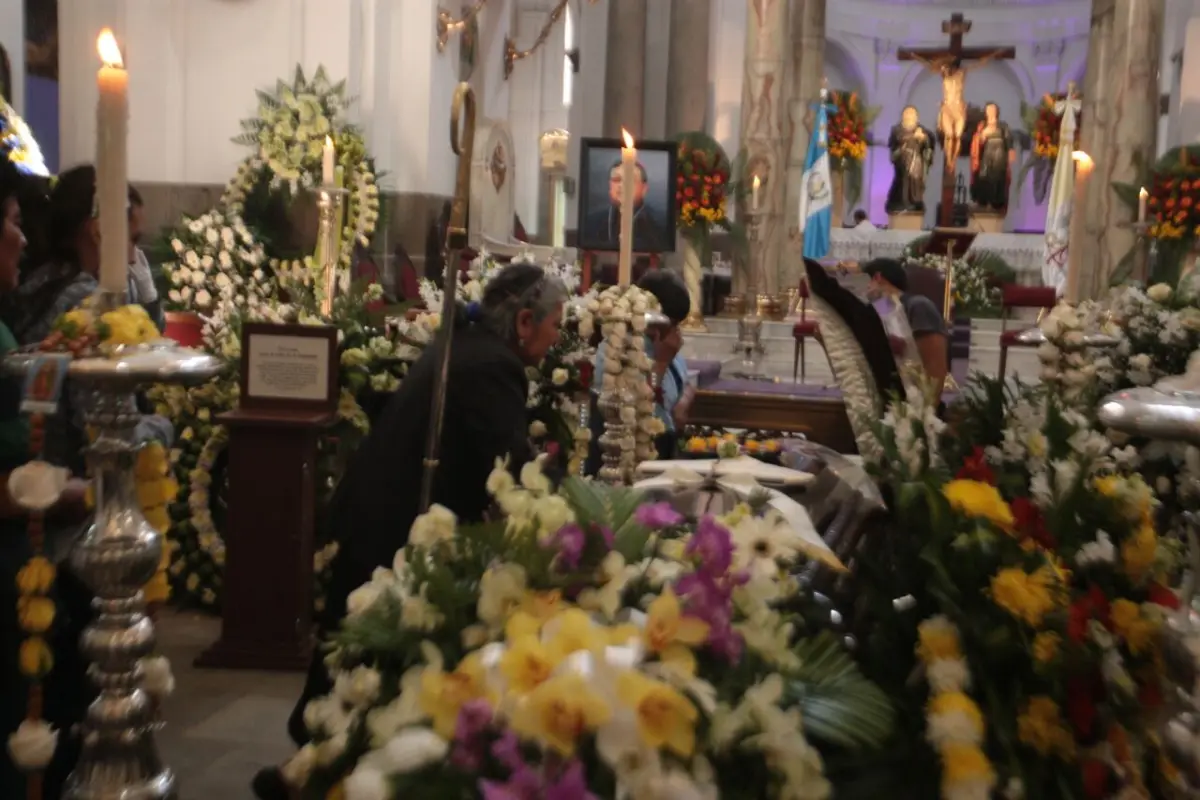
(1022, 251)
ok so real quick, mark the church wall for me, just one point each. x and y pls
(12, 39)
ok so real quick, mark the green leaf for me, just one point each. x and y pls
(840, 706)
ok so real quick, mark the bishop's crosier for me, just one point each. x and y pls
(112, 168)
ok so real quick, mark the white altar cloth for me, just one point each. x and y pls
(1023, 251)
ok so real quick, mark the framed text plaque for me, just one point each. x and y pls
(289, 367)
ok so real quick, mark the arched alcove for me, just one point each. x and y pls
(842, 69)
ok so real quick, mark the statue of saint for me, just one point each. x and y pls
(911, 147)
(992, 159)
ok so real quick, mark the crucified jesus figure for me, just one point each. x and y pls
(952, 116)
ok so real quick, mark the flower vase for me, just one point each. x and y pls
(185, 327)
(837, 178)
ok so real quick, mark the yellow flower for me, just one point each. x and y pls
(959, 705)
(938, 640)
(965, 763)
(665, 718)
(978, 499)
(158, 590)
(75, 322)
(127, 325)
(35, 658)
(572, 631)
(669, 633)
(542, 605)
(560, 711)
(158, 518)
(35, 613)
(526, 664)
(1028, 597)
(36, 577)
(444, 693)
(1045, 647)
(1139, 551)
(1128, 622)
(156, 491)
(1041, 727)
(151, 462)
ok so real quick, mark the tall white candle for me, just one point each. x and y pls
(1143, 196)
(112, 164)
(328, 157)
(1083, 173)
(628, 167)
(754, 186)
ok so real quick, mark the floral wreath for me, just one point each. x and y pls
(16, 139)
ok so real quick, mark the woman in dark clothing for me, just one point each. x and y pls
(66, 689)
(487, 388)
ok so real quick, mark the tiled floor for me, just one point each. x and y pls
(221, 726)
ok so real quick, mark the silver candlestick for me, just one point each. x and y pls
(116, 557)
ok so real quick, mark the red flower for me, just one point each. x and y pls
(976, 468)
(1162, 596)
(585, 375)
(1094, 605)
(1029, 522)
(1095, 778)
(1081, 706)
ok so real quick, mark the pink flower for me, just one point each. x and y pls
(657, 515)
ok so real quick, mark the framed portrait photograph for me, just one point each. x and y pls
(653, 196)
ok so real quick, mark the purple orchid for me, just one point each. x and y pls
(524, 784)
(569, 784)
(657, 515)
(507, 750)
(569, 541)
(711, 546)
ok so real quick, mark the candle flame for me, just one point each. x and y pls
(329, 141)
(109, 50)
(1081, 158)
(628, 137)
(1143, 192)
(757, 182)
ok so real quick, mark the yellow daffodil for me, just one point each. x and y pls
(938, 640)
(978, 499)
(34, 657)
(559, 711)
(665, 718)
(669, 633)
(1028, 597)
(1139, 552)
(36, 577)
(1041, 727)
(572, 631)
(526, 664)
(35, 613)
(1045, 647)
(444, 693)
(1131, 625)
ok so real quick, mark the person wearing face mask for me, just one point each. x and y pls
(66, 689)
(377, 500)
(889, 285)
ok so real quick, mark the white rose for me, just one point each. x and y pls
(195, 226)
(157, 678)
(207, 262)
(367, 783)
(212, 236)
(300, 766)
(177, 246)
(203, 298)
(198, 277)
(224, 259)
(36, 485)
(411, 750)
(227, 237)
(359, 687)
(32, 745)
(434, 526)
(1159, 292)
(222, 281)
(560, 376)
(191, 259)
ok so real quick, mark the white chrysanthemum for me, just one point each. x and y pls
(435, 525)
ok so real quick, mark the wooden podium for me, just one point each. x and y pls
(289, 394)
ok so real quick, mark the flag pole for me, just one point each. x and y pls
(462, 142)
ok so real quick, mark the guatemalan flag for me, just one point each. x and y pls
(816, 197)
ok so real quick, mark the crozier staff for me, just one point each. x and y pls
(377, 500)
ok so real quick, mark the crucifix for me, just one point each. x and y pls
(952, 116)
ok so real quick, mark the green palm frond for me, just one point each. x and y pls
(839, 705)
(609, 507)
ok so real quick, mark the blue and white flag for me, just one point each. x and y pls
(816, 194)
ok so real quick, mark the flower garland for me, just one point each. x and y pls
(954, 723)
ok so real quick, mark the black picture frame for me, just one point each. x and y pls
(596, 158)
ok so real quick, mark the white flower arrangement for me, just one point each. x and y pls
(971, 288)
(1067, 364)
(219, 265)
(910, 435)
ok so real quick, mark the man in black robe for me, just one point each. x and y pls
(602, 226)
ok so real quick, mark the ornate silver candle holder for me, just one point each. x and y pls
(329, 212)
(117, 555)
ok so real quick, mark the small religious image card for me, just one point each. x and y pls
(44, 383)
(601, 177)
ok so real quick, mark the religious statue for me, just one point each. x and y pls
(910, 145)
(992, 158)
(1059, 208)
(952, 115)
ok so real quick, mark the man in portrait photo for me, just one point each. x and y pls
(602, 226)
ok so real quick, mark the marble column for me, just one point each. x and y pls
(803, 88)
(763, 134)
(687, 110)
(625, 67)
(1123, 133)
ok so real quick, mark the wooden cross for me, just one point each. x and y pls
(953, 57)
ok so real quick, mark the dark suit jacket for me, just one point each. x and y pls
(604, 226)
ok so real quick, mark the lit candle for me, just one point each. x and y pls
(1143, 196)
(628, 166)
(1083, 172)
(112, 159)
(754, 193)
(328, 157)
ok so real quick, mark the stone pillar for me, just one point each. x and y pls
(763, 133)
(1124, 132)
(687, 110)
(803, 88)
(625, 67)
